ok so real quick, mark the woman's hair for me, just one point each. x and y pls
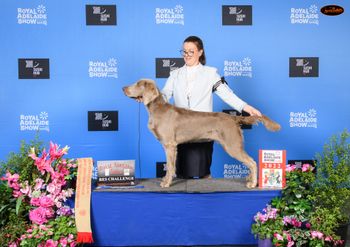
(199, 43)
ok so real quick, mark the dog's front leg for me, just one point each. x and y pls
(170, 151)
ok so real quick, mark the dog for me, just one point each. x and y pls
(172, 125)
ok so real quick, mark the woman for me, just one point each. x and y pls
(192, 86)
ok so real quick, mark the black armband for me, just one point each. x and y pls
(218, 83)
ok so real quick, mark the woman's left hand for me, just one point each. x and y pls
(252, 111)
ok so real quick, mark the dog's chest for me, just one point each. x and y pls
(153, 128)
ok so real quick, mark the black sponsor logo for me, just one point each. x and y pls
(101, 15)
(237, 15)
(165, 65)
(332, 10)
(303, 66)
(103, 120)
(237, 113)
(33, 68)
(161, 169)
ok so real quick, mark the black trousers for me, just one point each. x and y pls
(194, 159)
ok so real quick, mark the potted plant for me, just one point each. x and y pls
(313, 204)
(266, 224)
(332, 183)
(297, 210)
(295, 220)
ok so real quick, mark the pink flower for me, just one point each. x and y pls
(42, 163)
(16, 193)
(50, 213)
(38, 216)
(63, 242)
(296, 223)
(12, 180)
(54, 188)
(35, 201)
(278, 236)
(26, 189)
(13, 244)
(57, 153)
(307, 167)
(316, 234)
(43, 227)
(51, 243)
(290, 168)
(46, 202)
(38, 184)
(328, 238)
(339, 242)
(308, 225)
(287, 220)
(290, 243)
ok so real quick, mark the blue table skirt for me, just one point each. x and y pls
(150, 219)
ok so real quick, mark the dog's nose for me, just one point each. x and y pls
(124, 89)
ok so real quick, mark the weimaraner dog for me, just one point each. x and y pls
(173, 125)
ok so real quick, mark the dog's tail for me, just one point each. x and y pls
(269, 124)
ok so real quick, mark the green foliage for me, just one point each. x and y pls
(324, 220)
(7, 203)
(20, 162)
(61, 226)
(13, 229)
(16, 163)
(332, 185)
(295, 196)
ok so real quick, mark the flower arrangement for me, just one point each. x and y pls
(38, 182)
(266, 223)
(291, 220)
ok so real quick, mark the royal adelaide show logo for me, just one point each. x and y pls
(306, 119)
(34, 122)
(173, 16)
(32, 16)
(304, 15)
(103, 69)
(238, 68)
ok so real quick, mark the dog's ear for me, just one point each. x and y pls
(150, 92)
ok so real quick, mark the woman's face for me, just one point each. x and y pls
(191, 54)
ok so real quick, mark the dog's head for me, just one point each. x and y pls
(144, 90)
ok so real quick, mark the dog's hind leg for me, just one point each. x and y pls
(235, 150)
(251, 164)
(170, 151)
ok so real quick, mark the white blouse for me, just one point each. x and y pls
(192, 87)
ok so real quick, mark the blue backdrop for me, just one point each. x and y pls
(89, 64)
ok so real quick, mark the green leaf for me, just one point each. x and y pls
(19, 203)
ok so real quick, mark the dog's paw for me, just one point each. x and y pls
(166, 181)
(165, 184)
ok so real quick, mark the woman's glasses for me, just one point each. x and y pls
(186, 53)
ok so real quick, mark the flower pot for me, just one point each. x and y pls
(265, 242)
